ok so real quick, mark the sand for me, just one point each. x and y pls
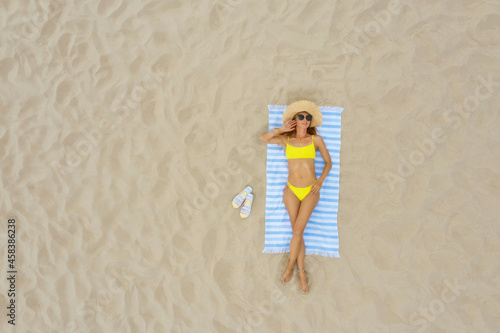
(128, 126)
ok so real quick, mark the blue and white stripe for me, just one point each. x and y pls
(321, 235)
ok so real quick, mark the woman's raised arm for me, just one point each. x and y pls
(271, 136)
(274, 135)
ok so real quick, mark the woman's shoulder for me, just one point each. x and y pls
(318, 139)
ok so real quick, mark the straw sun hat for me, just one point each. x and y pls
(307, 106)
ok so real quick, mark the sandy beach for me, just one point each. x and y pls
(127, 127)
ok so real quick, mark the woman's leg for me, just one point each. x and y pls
(300, 266)
(306, 208)
(302, 255)
(292, 204)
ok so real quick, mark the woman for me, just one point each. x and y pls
(298, 138)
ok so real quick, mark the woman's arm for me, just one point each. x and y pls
(328, 164)
(271, 136)
(326, 157)
(274, 135)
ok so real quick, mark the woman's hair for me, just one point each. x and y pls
(310, 130)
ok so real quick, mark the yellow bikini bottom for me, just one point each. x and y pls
(300, 192)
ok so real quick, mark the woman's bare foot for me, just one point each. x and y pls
(303, 281)
(287, 276)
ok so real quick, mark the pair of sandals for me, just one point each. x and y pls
(245, 197)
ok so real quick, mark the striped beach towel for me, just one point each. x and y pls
(320, 235)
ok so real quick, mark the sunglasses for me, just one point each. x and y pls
(301, 117)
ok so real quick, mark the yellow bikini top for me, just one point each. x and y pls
(300, 152)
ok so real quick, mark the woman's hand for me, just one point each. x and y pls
(316, 186)
(288, 126)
